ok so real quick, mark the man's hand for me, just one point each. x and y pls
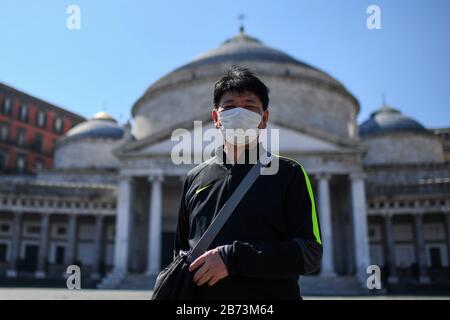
(211, 268)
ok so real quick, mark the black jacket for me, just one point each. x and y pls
(272, 237)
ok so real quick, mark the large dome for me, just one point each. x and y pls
(240, 48)
(300, 95)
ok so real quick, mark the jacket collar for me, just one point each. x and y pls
(249, 156)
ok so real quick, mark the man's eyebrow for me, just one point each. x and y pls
(228, 101)
(246, 100)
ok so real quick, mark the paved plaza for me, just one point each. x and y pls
(94, 294)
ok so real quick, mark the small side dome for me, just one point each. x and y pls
(102, 125)
(90, 144)
(387, 119)
(102, 115)
(393, 138)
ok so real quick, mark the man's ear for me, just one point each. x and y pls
(215, 117)
(265, 119)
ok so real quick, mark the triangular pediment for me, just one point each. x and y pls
(291, 140)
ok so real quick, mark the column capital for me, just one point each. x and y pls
(324, 176)
(156, 177)
(418, 215)
(388, 215)
(99, 217)
(125, 178)
(357, 175)
(18, 214)
(45, 214)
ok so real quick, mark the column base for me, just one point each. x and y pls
(11, 273)
(40, 274)
(95, 276)
(113, 279)
(392, 280)
(151, 273)
(327, 274)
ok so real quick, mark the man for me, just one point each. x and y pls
(273, 235)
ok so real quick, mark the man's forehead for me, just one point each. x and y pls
(232, 96)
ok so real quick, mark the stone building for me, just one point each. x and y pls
(408, 190)
(382, 190)
(65, 215)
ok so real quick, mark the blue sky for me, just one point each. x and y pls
(125, 45)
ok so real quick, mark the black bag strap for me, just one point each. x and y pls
(228, 208)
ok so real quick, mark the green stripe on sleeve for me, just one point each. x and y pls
(315, 221)
(313, 208)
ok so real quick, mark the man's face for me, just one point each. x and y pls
(246, 100)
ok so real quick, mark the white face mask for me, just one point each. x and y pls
(239, 126)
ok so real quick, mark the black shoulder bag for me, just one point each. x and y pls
(175, 282)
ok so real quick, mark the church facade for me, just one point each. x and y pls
(110, 203)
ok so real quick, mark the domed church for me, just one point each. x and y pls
(111, 202)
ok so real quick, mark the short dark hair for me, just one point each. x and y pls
(240, 80)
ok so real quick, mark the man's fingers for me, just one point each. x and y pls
(198, 262)
(213, 280)
(200, 272)
(205, 278)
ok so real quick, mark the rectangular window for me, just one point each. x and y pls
(4, 132)
(58, 125)
(38, 140)
(4, 228)
(6, 106)
(41, 119)
(39, 164)
(3, 160)
(60, 253)
(61, 231)
(435, 257)
(3, 251)
(23, 115)
(52, 146)
(33, 229)
(21, 164)
(21, 136)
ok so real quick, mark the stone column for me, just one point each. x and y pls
(420, 248)
(155, 225)
(389, 247)
(359, 215)
(327, 268)
(98, 246)
(71, 240)
(15, 245)
(123, 224)
(41, 271)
